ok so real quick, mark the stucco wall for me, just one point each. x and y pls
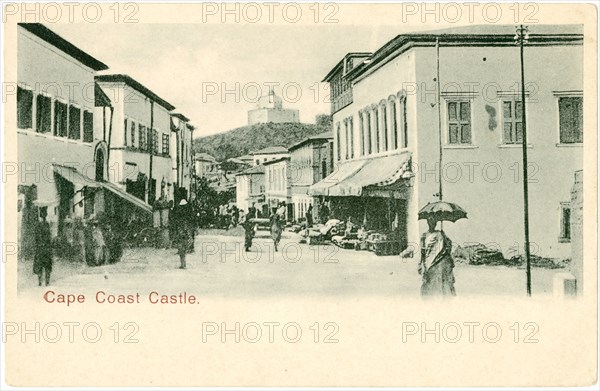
(487, 178)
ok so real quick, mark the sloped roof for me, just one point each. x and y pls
(271, 150)
(317, 137)
(120, 78)
(205, 157)
(62, 44)
(260, 169)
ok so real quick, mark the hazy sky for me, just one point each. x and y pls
(191, 65)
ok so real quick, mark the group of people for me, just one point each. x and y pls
(93, 242)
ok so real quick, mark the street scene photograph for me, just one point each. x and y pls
(299, 194)
(390, 163)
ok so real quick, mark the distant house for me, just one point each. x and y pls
(207, 166)
(269, 153)
(250, 189)
(310, 162)
(140, 146)
(278, 184)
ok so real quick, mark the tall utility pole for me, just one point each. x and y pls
(521, 39)
(439, 108)
(151, 149)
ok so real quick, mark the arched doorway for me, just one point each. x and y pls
(100, 165)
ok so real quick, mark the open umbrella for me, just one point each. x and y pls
(442, 211)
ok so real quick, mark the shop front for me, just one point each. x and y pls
(372, 194)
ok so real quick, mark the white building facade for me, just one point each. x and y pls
(388, 115)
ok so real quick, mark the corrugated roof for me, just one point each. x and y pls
(120, 78)
(67, 47)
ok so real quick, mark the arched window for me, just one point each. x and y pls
(376, 128)
(369, 139)
(361, 130)
(393, 121)
(384, 125)
(403, 122)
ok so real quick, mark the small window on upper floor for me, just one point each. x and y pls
(24, 108)
(512, 117)
(74, 123)
(88, 126)
(43, 113)
(459, 122)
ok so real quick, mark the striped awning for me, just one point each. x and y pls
(376, 172)
(341, 172)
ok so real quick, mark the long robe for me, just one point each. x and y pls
(436, 264)
(276, 229)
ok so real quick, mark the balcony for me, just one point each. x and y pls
(341, 101)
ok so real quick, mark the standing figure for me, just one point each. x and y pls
(98, 244)
(184, 231)
(436, 265)
(323, 213)
(235, 216)
(309, 216)
(248, 225)
(42, 261)
(277, 220)
(252, 211)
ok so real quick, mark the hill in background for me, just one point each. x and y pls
(243, 140)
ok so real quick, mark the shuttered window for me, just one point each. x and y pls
(459, 122)
(24, 108)
(571, 119)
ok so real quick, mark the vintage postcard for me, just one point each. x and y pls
(315, 194)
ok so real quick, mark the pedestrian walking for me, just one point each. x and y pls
(42, 262)
(436, 264)
(276, 223)
(248, 225)
(309, 216)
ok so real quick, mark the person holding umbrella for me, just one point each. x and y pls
(436, 264)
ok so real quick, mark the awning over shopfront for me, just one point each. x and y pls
(126, 196)
(372, 173)
(72, 175)
(75, 177)
(341, 172)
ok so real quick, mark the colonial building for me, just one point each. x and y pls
(310, 161)
(55, 127)
(250, 189)
(269, 153)
(207, 166)
(182, 164)
(139, 139)
(386, 113)
(269, 108)
(62, 146)
(278, 184)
